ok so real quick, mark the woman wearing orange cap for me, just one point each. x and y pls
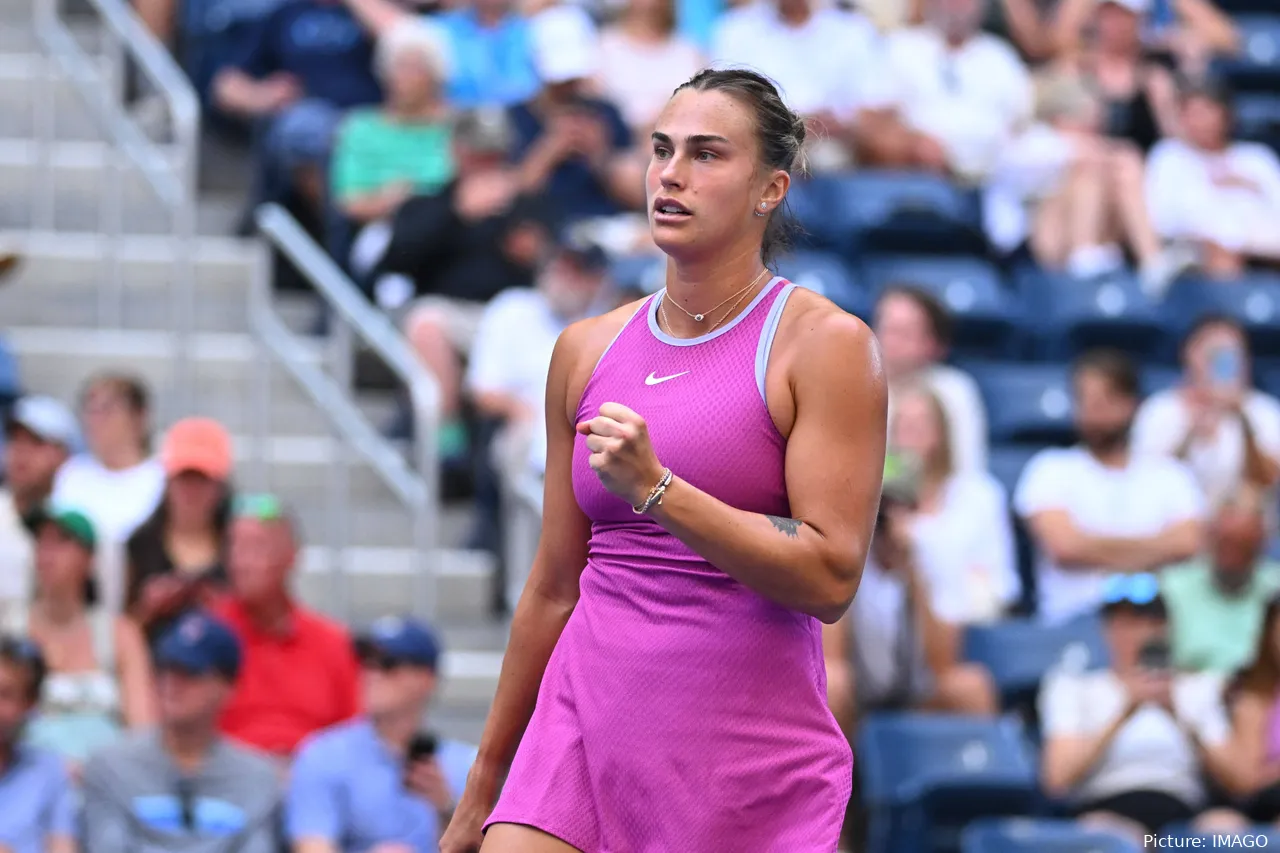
(175, 558)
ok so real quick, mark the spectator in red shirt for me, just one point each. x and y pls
(300, 672)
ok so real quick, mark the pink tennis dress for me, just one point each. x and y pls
(681, 712)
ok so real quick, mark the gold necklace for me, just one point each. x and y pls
(700, 317)
(666, 321)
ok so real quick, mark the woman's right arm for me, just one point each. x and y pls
(1249, 718)
(1068, 758)
(551, 591)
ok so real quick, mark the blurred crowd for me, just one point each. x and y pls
(161, 688)
(477, 169)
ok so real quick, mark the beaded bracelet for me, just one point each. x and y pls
(655, 494)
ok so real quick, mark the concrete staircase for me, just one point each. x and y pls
(50, 316)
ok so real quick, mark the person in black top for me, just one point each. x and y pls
(450, 253)
(176, 558)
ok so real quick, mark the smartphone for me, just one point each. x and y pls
(1156, 656)
(423, 746)
(1225, 366)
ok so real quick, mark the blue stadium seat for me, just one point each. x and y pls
(1022, 835)
(636, 272)
(1070, 316)
(1258, 118)
(1254, 301)
(890, 211)
(1019, 652)
(827, 274)
(988, 318)
(1026, 403)
(1156, 378)
(1258, 66)
(1005, 462)
(924, 776)
(9, 385)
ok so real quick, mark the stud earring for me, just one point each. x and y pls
(760, 212)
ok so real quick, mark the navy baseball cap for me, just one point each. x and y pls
(199, 644)
(401, 640)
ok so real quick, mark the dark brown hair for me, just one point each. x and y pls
(780, 134)
(1114, 366)
(935, 313)
(1262, 676)
(130, 389)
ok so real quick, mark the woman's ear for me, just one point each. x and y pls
(776, 190)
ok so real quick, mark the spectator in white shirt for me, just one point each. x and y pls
(1219, 195)
(891, 652)
(914, 330)
(117, 483)
(960, 526)
(966, 90)
(40, 433)
(507, 374)
(1128, 746)
(1226, 431)
(1098, 508)
(642, 61)
(828, 64)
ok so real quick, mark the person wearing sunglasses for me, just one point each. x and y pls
(1128, 747)
(182, 787)
(37, 803)
(382, 779)
(300, 671)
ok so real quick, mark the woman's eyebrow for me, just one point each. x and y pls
(696, 139)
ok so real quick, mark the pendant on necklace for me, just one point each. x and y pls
(698, 317)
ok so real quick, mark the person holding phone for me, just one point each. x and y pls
(1128, 746)
(1226, 431)
(382, 782)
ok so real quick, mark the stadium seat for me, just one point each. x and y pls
(637, 272)
(987, 317)
(1022, 835)
(1156, 378)
(826, 274)
(924, 776)
(1026, 403)
(1005, 462)
(9, 386)
(1018, 653)
(1254, 301)
(1258, 118)
(888, 212)
(1257, 68)
(1069, 316)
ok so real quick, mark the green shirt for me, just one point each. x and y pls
(373, 152)
(1209, 629)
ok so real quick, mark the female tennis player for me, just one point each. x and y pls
(713, 471)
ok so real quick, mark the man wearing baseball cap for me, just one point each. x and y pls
(397, 781)
(40, 433)
(179, 787)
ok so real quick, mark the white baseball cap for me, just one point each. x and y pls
(565, 44)
(47, 419)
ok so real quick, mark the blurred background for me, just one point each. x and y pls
(345, 234)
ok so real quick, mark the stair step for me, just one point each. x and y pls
(81, 183)
(28, 79)
(378, 582)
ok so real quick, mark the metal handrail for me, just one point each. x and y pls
(170, 171)
(417, 486)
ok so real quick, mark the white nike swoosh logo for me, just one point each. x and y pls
(651, 379)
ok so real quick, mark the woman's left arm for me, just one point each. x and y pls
(1209, 24)
(811, 562)
(133, 663)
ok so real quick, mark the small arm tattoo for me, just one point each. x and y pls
(789, 526)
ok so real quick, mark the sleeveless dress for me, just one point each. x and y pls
(682, 712)
(79, 712)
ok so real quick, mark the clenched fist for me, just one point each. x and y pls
(621, 454)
